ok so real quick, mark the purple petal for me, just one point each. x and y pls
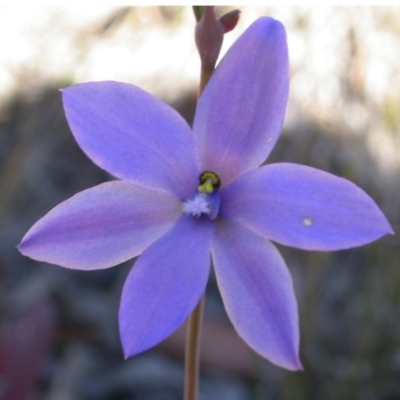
(304, 207)
(240, 114)
(258, 294)
(165, 285)
(102, 226)
(133, 135)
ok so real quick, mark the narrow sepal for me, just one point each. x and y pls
(304, 207)
(102, 226)
(258, 294)
(133, 135)
(240, 113)
(165, 285)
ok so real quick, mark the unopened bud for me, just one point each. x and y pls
(209, 35)
(230, 20)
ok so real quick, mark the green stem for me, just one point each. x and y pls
(192, 352)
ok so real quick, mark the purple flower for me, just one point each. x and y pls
(187, 192)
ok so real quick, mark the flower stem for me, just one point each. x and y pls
(204, 78)
(192, 352)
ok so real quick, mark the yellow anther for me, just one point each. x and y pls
(206, 187)
(209, 182)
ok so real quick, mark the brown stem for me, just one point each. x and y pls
(192, 352)
(204, 78)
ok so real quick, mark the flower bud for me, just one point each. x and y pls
(209, 35)
(230, 20)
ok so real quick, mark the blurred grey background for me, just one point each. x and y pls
(58, 328)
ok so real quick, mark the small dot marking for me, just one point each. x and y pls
(307, 221)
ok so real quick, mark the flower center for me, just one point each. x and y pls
(209, 182)
(207, 198)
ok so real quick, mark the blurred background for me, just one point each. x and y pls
(58, 328)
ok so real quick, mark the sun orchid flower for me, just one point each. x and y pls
(185, 193)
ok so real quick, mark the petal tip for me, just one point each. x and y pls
(127, 354)
(22, 247)
(19, 247)
(296, 366)
(390, 230)
(270, 23)
(384, 225)
(290, 362)
(126, 350)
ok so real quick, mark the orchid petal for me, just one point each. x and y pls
(304, 207)
(133, 135)
(257, 291)
(240, 114)
(165, 285)
(102, 226)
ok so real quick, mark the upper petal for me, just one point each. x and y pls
(240, 114)
(133, 135)
(258, 294)
(165, 285)
(304, 207)
(102, 226)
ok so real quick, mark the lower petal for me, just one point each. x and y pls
(258, 294)
(304, 207)
(165, 285)
(102, 226)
